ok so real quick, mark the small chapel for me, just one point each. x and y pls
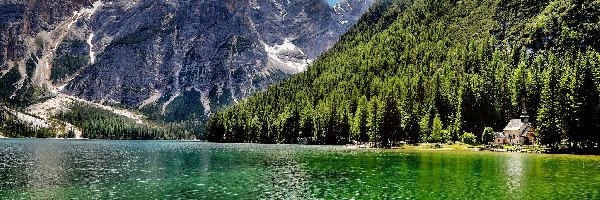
(517, 132)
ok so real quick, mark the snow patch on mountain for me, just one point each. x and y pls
(289, 55)
(92, 53)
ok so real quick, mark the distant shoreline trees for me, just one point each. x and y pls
(97, 123)
(12, 127)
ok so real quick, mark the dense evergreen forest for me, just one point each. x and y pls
(438, 70)
(97, 123)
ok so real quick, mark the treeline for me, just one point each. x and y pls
(12, 127)
(97, 123)
(433, 71)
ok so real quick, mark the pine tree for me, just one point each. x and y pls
(373, 120)
(586, 103)
(549, 116)
(425, 131)
(359, 127)
(436, 130)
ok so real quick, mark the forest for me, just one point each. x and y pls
(97, 123)
(437, 71)
(12, 127)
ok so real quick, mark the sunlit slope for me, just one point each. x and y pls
(429, 70)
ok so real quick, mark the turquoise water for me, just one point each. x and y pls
(67, 169)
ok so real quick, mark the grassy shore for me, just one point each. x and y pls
(434, 146)
(463, 146)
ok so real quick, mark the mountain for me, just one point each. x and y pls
(219, 50)
(170, 60)
(433, 71)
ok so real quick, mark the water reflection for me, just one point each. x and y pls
(47, 169)
(514, 170)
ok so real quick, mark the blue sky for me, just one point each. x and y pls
(332, 2)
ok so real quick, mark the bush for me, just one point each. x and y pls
(469, 138)
(488, 135)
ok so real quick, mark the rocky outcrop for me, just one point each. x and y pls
(22, 20)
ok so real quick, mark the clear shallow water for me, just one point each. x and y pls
(65, 169)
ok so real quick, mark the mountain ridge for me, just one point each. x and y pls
(173, 61)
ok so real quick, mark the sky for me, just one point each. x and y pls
(332, 2)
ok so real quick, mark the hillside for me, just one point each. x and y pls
(171, 61)
(431, 71)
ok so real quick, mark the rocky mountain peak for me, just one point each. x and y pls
(159, 55)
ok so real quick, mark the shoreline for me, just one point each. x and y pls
(425, 147)
(477, 149)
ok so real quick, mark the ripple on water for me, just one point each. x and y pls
(194, 170)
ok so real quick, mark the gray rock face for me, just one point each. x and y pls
(151, 54)
(21, 19)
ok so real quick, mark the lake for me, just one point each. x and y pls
(90, 169)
